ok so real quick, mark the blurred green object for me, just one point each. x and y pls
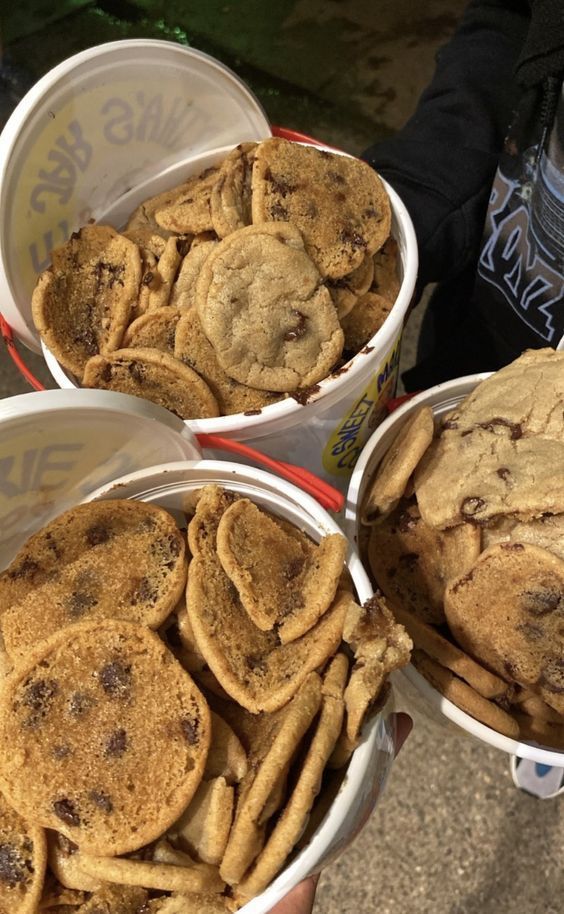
(27, 16)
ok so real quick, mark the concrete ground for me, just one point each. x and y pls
(451, 835)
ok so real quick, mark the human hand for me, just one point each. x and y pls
(300, 900)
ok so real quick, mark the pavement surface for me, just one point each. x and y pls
(451, 834)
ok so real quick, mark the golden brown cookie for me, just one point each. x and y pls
(265, 311)
(87, 529)
(159, 283)
(153, 330)
(546, 531)
(282, 581)
(155, 376)
(142, 227)
(82, 303)
(104, 736)
(246, 834)
(251, 665)
(364, 320)
(292, 820)
(102, 582)
(464, 696)
(347, 290)
(23, 860)
(539, 730)
(445, 652)
(412, 562)
(337, 202)
(386, 269)
(231, 194)
(389, 482)
(188, 210)
(507, 611)
(194, 349)
(380, 645)
(183, 295)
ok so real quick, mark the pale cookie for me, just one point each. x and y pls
(245, 833)
(103, 583)
(227, 758)
(153, 330)
(263, 308)
(446, 653)
(386, 263)
(82, 303)
(104, 736)
(204, 826)
(148, 268)
(154, 376)
(546, 531)
(464, 696)
(186, 650)
(412, 562)
(162, 277)
(338, 203)
(231, 194)
(344, 747)
(507, 611)
(190, 904)
(64, 861)
(380, 646)
(282, 581)
(292, 820)
(479, 476)
(189, 208)
(194, 349)
(118, 899)
(23, 861)
(165, 877)
(522, 399)
(346, 291)
(93, 529)
(390, 480)
(364, 320)
(183, 295)
(58, 899)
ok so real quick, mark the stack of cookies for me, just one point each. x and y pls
(247, 283)
(171, 705)
(464, 534)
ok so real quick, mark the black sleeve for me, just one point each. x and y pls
(442, 163)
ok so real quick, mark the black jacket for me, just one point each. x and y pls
(506, 56)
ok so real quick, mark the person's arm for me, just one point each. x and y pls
(442, 163)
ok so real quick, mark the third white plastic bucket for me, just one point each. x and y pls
(442, 399)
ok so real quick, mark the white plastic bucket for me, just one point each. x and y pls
(328, 431)
(442, 398)
(169, 485)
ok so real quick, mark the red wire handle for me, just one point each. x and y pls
(8, 338)
(326, 494)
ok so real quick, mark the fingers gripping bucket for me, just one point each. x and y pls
(416, 690)
(172, 486)
(129, 159)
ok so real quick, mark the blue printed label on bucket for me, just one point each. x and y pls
(350, 435)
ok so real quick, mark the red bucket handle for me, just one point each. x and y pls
(327, 496)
